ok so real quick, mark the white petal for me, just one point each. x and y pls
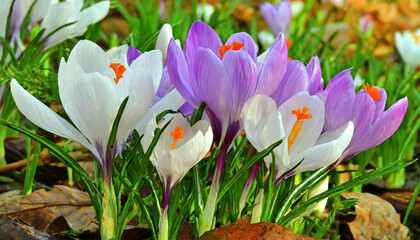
(262, 57)
(88, 56)
(92, 104)
(327, 150)
(44, 117)
(151, 61)
(116, 54)
(311, 128)
(140, 100)
(255, 110)
(4, 12)
(173, 101)
(163, 39)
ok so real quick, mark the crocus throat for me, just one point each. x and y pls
(301, 115)
(373, 92)
(225, 48)
(177, 134)
(119, 71)
(416, 38)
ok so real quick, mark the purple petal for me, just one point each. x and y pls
(242, 72)
(132, 54)
(277, 17)
(294, 80)
(165, 86)
(246, 39)
(339, 101)
(162, 9)
(186, 109)
(201, 35)
(208, 79)
(179, 74)
(316, 83)
(274, 67)
(380, 105)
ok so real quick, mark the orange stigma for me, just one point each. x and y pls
(301, 115)
(119, 71)
(177, 134)
(416, 38)
(225, 48)
(373, 92)
(289, 43)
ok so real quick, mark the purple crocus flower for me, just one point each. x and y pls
(372, 125)
(299, 78)
(224, 77)
(278, 17)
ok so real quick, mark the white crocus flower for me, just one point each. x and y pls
(299, 121)
(179, 148)
(408, 45)
(205, 11)
(61, 13)
(92, 85)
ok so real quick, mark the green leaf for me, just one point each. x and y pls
(198, 113)
(245, 169)
(64, 157)
(411, 203)
(8, 49)
(364, 178)
(116, 123)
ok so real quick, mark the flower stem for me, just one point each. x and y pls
(245, 192)
(109, 213)
(163, 221)
(206, 218)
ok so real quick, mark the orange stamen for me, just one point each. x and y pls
(301, 115)
(289, 43)
(290, 59)
(373, 92)
(119, 71)
(235, 46)
(177, 134)
(266, 176)
(242, 133)
(416, 38)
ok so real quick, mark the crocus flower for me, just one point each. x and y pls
(278, 17)
(51, 15)
(92, 85)
(408, 45)
(224, 77)
(166, 96)
(365, 23)
(299, 78)
(204, 11)
(372, 125)
(299, 121)
(179, 148)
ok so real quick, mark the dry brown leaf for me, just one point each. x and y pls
(42, 207)
(244, 230)
(375, 219)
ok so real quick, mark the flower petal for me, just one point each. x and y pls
(273, 68)
(163, 40)
(311, 128)
(327, 149)
(151, 61)
(178, 72)
(44, 117)
(132, 54)
(88, 56)
(294, 80)
(246, 39)
(316, 83)
(201, 35)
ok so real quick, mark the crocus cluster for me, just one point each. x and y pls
(269, 96)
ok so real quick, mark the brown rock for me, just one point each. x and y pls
(244, 230)
(375, 219)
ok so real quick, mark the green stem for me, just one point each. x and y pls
(109, 214)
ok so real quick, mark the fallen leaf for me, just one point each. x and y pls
(15, 229)
(42, 207)
(244, 230)
(375, 219)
